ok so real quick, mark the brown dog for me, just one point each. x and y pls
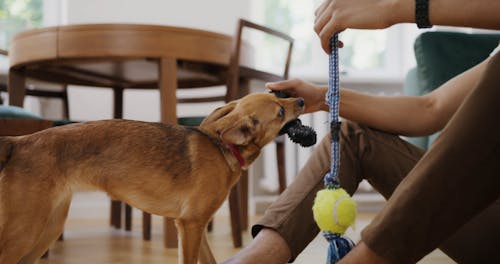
(174, 171)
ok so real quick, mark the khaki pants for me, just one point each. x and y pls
(446, 198)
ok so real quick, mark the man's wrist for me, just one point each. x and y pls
(401, 11)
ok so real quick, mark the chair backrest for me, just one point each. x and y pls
(237, 72)
(237, 75)
(3, 83)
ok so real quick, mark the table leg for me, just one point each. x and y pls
(16, 87)
(117, 205)
(168, 110)
(168, 87)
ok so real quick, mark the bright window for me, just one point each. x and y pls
(367, 53)
(16, 16)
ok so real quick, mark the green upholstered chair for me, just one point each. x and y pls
(16, 112)
(441, 56)
(15, 121)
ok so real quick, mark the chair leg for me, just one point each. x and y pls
(243, 189)
(116, 206)
(128, 217)
(146, 226)
(116, 211)
(234, 208)
(65, 102)
(280, 157)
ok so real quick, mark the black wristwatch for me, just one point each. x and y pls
(422, 14)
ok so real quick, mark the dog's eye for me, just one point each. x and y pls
(281, 113)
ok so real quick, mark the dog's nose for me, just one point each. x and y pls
(300, 102)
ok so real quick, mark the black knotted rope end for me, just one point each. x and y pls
(335, 130)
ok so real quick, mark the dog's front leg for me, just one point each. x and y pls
(206, 256)
(190, 235)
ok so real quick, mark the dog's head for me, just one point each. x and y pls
(253, 121)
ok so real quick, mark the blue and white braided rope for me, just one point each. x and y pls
(339, 246)
(332, 99)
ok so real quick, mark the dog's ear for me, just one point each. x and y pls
(219, 113)
(241, 132)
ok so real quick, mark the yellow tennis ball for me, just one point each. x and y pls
(334, 210)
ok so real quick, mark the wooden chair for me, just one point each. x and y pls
(237, 86)
(192, 76)
(240, 75)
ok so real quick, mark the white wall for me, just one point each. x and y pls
(215, 15)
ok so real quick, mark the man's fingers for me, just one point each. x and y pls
(326, 33)
(321, 21)
(277, 86)
(321, 7)
(282, 85)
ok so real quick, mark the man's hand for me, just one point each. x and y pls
(314, 96)
(334, 16)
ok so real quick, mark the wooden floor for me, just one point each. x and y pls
(88, 238)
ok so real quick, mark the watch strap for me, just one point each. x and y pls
(422, 14)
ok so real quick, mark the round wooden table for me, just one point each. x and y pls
(121, 56)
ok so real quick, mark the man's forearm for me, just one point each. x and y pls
(404, 115)
(465, 13)
(391, 114)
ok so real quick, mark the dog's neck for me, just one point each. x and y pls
(238, 157)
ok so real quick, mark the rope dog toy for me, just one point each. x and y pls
(334, 210)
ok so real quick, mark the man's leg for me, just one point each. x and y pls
(453, 182)
(288, 225)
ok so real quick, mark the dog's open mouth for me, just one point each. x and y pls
(298, 133)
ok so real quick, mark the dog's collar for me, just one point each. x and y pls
(237, 155)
